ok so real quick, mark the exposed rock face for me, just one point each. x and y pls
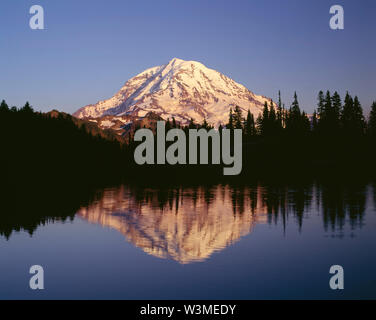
(186, 225)
(179, 89)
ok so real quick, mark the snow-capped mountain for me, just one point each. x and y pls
(180, 89)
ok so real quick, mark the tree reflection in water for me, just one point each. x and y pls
(188, 224)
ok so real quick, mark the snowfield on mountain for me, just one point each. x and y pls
(179, 89)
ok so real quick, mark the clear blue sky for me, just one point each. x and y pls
(90, 48)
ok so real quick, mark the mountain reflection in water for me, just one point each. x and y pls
(185, 225)
(190, 224)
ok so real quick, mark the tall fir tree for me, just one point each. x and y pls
(297, 122)
(3, 106)
(279, 99)
(295, 105)
(359, 120)
(238, 118)
(346, 115)
(372, 120)
(272, 114)
(230, 124)
(263, 121)
(168, 124)
(279, 112)
(27, 108)
(249, 125)
(320, 104)
(327, 114)
(284, 116)
(337, 107)
(352, 118)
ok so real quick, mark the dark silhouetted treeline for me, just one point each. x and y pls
(337, 136)
(57, 148)
(49, 166)
(54, 148)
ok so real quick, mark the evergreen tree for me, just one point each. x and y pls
(274, 120)
(192, 124)
(326, 118)
(337, 108)
(272, 114)
(320, 104)
(314, 121)
(306, 124)
(359, 121)
(284, 116)
(327, 107)
(249, 125)
(352, 118)
(297, 123)
(329, 111)
(27, 108)
(279, 99)
(295, 109)
(372, 120)
(3, 106)
(230, 124)
(168, 124)
(238, 118)
(346, 115)
(279, 113)
(263, 121)
(293, 116)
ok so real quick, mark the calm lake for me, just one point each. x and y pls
(255, 241)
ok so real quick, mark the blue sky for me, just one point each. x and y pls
(90, 48)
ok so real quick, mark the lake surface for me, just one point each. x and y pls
(255, 241)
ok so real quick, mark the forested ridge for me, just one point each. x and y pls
(57, 148)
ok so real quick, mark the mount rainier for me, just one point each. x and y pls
(179, 89)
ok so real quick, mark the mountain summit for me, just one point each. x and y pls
(179, 89)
